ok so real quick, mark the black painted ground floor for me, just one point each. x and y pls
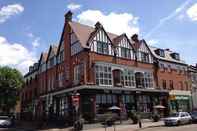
(94, 102)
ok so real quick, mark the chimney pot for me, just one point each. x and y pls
(68, 16)
(167, 49)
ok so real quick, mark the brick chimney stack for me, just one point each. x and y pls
(68, 16)
(135, 38)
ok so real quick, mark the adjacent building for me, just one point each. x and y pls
(172, 75)
(106, 70)
(193, 83)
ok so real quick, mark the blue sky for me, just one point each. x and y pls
(28, 27)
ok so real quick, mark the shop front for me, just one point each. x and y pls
(95, 103)
(180, 101)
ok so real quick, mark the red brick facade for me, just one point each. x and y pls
(60, 76)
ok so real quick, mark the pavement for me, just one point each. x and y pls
(147, 125)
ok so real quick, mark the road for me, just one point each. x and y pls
(191, 127)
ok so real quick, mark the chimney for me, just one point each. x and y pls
(135, 38)
(31, 68)
(167, 49)
(98, 25)
(68, 16)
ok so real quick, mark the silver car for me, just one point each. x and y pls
(178, 119)
(5, 121)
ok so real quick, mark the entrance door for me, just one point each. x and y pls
(87, 104)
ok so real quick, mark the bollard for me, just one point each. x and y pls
(140, 124)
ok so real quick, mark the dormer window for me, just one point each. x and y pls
(102, 47)
(145, 57)
(51, 62)
(125, 52)
(175, 56)
(160, 52)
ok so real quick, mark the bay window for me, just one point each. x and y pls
(103, 75)
(129, 78)
(78, 73)
(148, 80)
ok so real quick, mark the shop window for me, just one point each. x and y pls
(144, 103)
(104, 102)
(129, 102)
(103, 75)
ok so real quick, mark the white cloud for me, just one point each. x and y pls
(31, 35)
(36, 42)
(152, 42)
(169, 17)
(10, 10)
(117, 23)
(192, 12)
(73, 6)
(15, 55)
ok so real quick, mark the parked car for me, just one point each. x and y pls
(178, 118)
(194, 116)
(5, 121)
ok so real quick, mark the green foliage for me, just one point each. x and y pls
(11, 81)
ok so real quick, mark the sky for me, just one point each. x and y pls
(29, 27)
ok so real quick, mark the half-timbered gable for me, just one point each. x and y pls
(124, 48)
(75, 44)
(51, 59)
(101, 42)
(42, 65)
(60, 53)
(144, 53)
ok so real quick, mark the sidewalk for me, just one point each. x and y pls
(129, 127)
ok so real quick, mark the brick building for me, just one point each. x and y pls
(192, 70)
(105, 69)
(172, 75)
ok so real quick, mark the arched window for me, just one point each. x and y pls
(139, 77)
(118, 77)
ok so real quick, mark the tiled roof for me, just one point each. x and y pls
(84, 32)
(44, 55)
(167, 56)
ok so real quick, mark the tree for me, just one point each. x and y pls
(11, 81)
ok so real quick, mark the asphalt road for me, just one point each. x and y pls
(190, 127)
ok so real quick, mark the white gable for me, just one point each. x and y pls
(124, 43)
(143, 48)
(51, 54)
(101, 37)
